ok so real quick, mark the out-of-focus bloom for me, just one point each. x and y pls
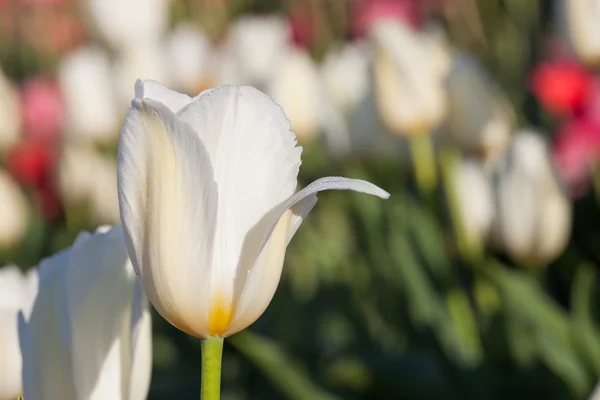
(410, 68)
(42, 109)
(533, 216)
(189, 52)
(345, 73)
(17, 293)
(88, 336)
(258, 63)
(367, 13)
(475, 199)
(206, 190)
(480, 118)
(576, 152)
(77, 164)
(578, 22)
(10, 112)
(86, 81)
(562, 87)
(31, 162)
(296, 87)
(14, 212)
(145, 61)
(126, 24)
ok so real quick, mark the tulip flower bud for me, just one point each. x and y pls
(578, 22)
(10, 112)
(14, 212)
(533, 215)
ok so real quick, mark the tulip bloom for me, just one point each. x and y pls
(17, 293)
(89, 333)
(206, 190)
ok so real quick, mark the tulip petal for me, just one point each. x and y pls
(150, 89)
(99, 265)
(262, 276)
(42, 329)
(168, 203)
(255, 161)
(141, 347)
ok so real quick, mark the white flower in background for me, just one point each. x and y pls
(78, 162)
(578, 22)
(14, 212)
(257, 43)
(89, 334)
(147, 62)
(85, 78)
(206, 189)
(10, 114)
(17, 293)
(296, 87)
(480, 118)
(126, 24)
(189, 52)
(409, 71)
(533, 215)
(345, 73)
(475, 199)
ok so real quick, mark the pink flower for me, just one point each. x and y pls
(562, 86)
(366, 12)
(42, 109)
(576, 152)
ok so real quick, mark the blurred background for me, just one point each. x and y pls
(477, 279)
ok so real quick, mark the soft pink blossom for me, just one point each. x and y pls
(42, 109)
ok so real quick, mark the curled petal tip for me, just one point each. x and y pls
(139, 89)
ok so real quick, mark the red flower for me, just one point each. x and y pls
(31, 163)
(366, 12)
(562, 87)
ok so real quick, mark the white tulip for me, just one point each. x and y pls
(578, 22)
(189, 53)
(409, 71)
(533, 216)
(89, 334)
(258, 43)
(85, 78)
(10, 114)
(475, 199)
(128, 23)
(17, 294)
(480, 118)
(345, 73)
(206, 189)
(14, 212)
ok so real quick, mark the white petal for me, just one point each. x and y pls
(150, 89)
(46, 372)
(256, 284)
(10, 361)
(98, 265)
(141, 348)
(168, 203)
(255, 161)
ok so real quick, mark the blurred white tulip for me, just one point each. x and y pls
(577, 20)
(296, 87)
(89, 333)
(14, 212)
(17, 293)
(126, 24)
(147, 62)
(206, 190)
(10, 114)
(480, 118)
(257, 43)
(86, 82)
(475, 199)
(345, 73)
(533, 215)
(409, 71)
(79, 162)
(189, 53)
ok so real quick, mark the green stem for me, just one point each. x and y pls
(212, 352)
(423, 158)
